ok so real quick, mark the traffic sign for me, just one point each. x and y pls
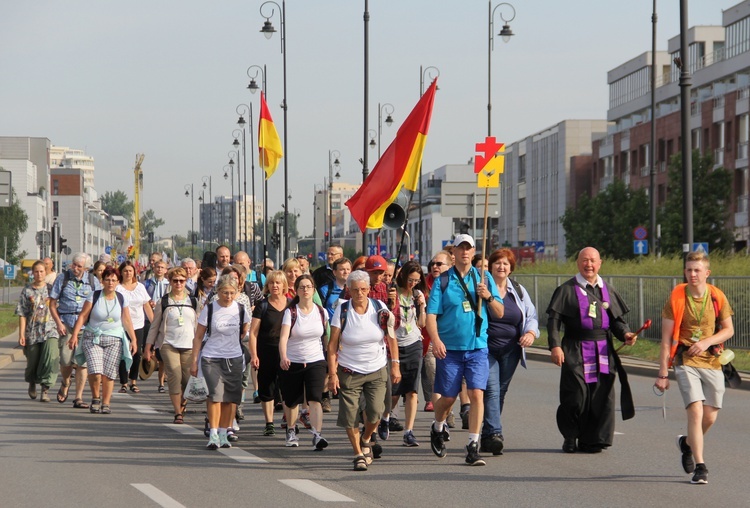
(446, 243)
(640, 233)
(640, 247)
(9, 271)
(322, 256)
(373, 250)
(700, 247)
(120, 258)
(108, 249)
(537, 244)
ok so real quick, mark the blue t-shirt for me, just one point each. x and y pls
(456, 322)
(504, 333)
(330, 300)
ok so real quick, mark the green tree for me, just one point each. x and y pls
(149, 223)
(606, 221)
(117, 203)
(712, 190)
(13, 223)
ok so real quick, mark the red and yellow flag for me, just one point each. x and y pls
(269, 144)
(398, 167)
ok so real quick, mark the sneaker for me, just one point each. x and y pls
(239, 415)
(326, 405)
(701, 474)
(224, 441)
(269, 430)
(394, 425)
(283, 422)
(410, 440)
(429, 408)
(206, 429)
(319, 443)
(437, 442)
(464, 420)
(231, 436)
(383, 430)
(291, 438)
(256, 397)
(688, 463)
(472, 455)
(492, 444)
(450, 421)
(235, 426)
(213, 442)
(304, 419)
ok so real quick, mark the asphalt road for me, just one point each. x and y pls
(54, 455)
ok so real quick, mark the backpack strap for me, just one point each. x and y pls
(344, 312)
(209, 316)
(293, 313)
(95, 298)
(517, 287)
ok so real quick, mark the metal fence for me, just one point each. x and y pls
(646, 296)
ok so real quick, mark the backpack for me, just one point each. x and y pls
(96, 296)
(165, 303)
(321, 311)
(66, 279)
(209, 318)
(383, 314)
(444, 283)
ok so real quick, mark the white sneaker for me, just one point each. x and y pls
(224, 442)
(235, 425)
(213, 442)
(291, 438)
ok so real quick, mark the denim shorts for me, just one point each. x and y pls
(457, 365)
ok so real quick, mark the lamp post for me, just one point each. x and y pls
(268, 31)
(652, 151)
(210, 228)
(430, 72)
(506, 33)
(241, 122)
(241, 169)
(232, 154)
(189, 194)
(388, 107)
(333, 161)
(366, 87)
(253, 87)
(687, 149)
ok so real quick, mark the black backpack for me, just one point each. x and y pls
(96, 296)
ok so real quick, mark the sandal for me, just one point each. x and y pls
(124, 389)
(96, 405)
(62, 393)
(179, 419)
(106, 409)
(366, 449)
(135, 389)
(360, 463)
(161, 389)
(80, 404)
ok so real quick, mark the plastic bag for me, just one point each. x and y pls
(196, 389)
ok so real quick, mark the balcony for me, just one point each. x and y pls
(645, 170)
(742, 150)
(740, 218)
(718, 158)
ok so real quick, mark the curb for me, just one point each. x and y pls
(8, 353)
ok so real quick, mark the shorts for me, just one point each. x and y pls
(302, 380)
(351, 385)
(223, 378)
(268, 372)
(103, 358)
(700, 385)
(67, 355)
(410, 358)
(457, 365)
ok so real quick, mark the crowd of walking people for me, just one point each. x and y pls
(368, 333)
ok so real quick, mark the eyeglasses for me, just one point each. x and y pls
(179, 281)
(359, 290)
(413, 281)
(438, 263)
(304, 288)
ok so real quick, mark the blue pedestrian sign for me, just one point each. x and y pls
(322, 256)
(640, 247)
(108, 249)
(373, 250)
(121, 258)
(700, 247)
(537, 244)
(446, 243)
(9, 271)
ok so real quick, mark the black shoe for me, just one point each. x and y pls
(377, 450)
(688, 463)
(206, 430)
(472, 455)
(394, 425)
(588, 448)
(701, 474)
(492, 444)
(569, 445)
(437, 442)
(383, 430)
(464, 420)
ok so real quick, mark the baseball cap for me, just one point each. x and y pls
(375, 263)
(463, 239)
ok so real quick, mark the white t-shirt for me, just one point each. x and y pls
(304, 344)
(106, 314)
(180, 321)
(136, 299)
(362, 343)
(224, 341)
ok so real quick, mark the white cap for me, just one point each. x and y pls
(463, 239)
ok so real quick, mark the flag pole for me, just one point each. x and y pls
(403, 230)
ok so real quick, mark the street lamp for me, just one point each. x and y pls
(232, 154)
(333, 160)
(241, 122)
(373, 135)
(209, 229)
(431, 73)
(189, 194)
(388, 108)
(506, 33)
(253, 87)
(268, 30)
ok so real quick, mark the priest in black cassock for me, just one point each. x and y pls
(591, 312)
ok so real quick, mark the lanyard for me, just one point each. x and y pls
(692, 305)
(477, 317)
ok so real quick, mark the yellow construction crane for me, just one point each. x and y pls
(137, 206)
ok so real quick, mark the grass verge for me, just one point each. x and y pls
(8, 320)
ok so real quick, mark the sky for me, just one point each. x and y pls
(165, 78)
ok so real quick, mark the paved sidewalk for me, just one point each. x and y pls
(10, 351)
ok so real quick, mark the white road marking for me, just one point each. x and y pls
(184, 429)
(317, 491)
(242, 456)
(146, 410)
(619, 433)
(157, 495)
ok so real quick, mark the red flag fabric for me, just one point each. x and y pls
(269, 144)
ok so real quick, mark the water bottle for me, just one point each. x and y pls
(726, 356)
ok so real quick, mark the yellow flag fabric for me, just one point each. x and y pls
(269, 144)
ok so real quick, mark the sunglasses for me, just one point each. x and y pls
(438, 263)
(178, 281)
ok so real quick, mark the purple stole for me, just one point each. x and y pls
(595, 354)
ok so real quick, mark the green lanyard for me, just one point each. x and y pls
(692, 305)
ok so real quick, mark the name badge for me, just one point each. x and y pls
(78, 299)
(180, 321)
(408, 328)
(696, 335)
(110, 320)
(467, 306)
(592, 310)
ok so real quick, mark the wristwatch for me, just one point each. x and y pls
(490, 299)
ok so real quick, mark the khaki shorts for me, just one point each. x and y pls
(351, 385)
(66, 354)
(700, 385)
